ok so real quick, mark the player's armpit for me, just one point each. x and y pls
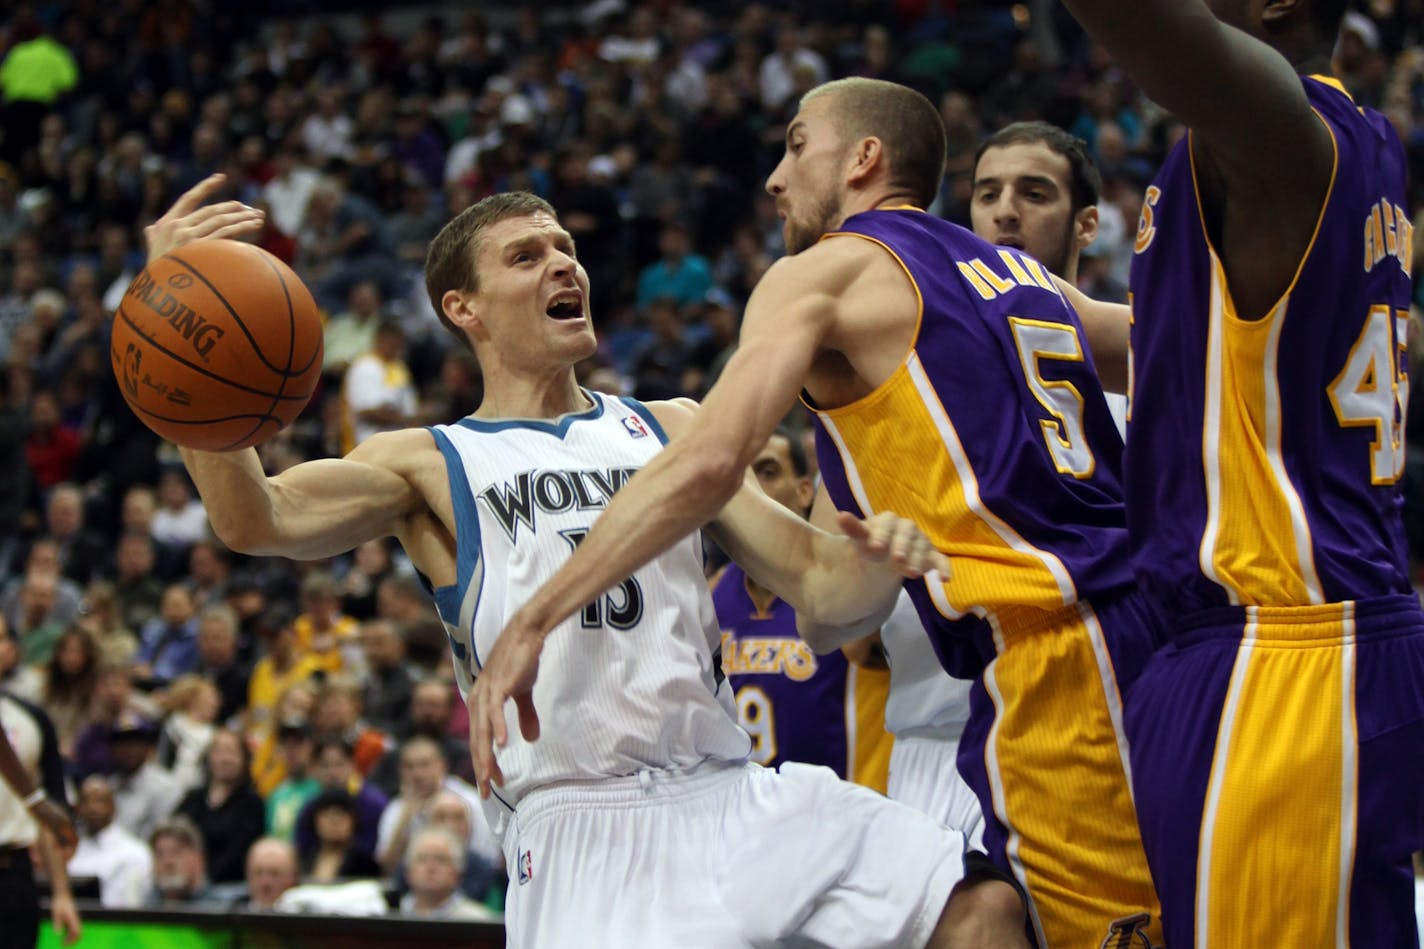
(318, 508)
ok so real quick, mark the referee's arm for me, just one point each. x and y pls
(62, 910)
(45, 803)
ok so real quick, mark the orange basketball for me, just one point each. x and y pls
(217, 345)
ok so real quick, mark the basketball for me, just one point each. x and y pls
(217, 345)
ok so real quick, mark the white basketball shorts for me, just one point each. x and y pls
(725, 856)
(923, 775)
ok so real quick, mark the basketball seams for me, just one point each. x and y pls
(153, 341)
(291, 351)
(237, 320)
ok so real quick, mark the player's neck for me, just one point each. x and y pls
(508, 395)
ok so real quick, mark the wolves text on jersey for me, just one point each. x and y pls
(518, 501)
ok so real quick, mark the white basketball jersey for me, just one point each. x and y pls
(632, 681)
(924, 700)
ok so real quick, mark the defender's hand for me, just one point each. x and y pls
(896, 542)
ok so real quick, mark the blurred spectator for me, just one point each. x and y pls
(226, 808)
(338, 715)
(179, 521)
(120, 861)
(286, 800)
(192, 702)
(144, 793)
(43, 557)
(436, 861)
(371, 563)
(36, 72)
(69, 684)
(335, 853)
(679, 274)
(33, 629)
(288, 193)
(179, 875)
(51, 448)
(271, 871)
(218, 661)
(138, 589)
(335, 768)
(209, 569)
(479, 880)
(378, 394)
(325, 635)
(431, 703)
(423, 774)
(390, 680)
(116, 706)
(82, 551)
(168, 643)
(276, 673)
(352, 332)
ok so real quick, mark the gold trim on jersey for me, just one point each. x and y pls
(1256, 542)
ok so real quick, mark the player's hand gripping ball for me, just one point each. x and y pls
(217, 345)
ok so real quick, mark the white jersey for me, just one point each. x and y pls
(924, 700)
(629, 683)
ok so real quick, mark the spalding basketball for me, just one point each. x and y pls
(217, 345)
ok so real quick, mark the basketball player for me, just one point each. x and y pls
(795, 705)
(951, 384)
(1036, 189)
(1276, 739)
(641, 777)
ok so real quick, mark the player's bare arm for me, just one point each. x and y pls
(1254, 135)
(390, 485)
(1107, 326)
(844, 572)
(318, 508)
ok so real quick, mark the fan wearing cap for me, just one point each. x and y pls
(144, 793)
(294, 747)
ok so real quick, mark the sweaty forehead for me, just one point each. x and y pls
(524, 227)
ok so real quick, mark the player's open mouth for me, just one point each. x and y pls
(1013, 242)
(567, 306)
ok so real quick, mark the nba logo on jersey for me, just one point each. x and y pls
(635, 426)
(526, 867)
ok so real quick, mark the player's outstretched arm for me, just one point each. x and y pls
(315, 509)
(842, 574)
(1239, 95)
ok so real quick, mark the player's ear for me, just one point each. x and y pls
(462, 310)
(1085, 226)
(867, 155)
(1277, 14)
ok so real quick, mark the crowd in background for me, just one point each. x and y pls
(232, 725)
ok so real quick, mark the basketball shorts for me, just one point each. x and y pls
(1045, 752)
(725, 856)
(1278, 755)
(924, 775)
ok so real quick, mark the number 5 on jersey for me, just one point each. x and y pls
(1067, 442)
(621, 607)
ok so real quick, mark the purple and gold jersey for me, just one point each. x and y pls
(993, 435)
(796, 705)
(1264, 455)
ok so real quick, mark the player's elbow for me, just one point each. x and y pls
(823, 638)
(243, 532)
(715, 475)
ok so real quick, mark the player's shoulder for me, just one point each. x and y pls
(672, 414)
(397, 450)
